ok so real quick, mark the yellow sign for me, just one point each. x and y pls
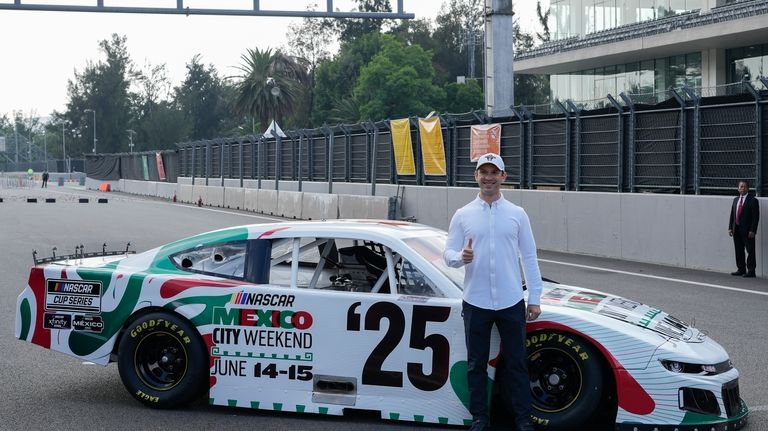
(402, 147)
(432, 149)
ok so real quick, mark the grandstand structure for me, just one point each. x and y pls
(602, 47)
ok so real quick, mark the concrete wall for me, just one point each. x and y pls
(685, 231)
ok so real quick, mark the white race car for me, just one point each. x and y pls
(330, 317)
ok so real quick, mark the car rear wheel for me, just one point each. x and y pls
(162, 360)
(566, 380)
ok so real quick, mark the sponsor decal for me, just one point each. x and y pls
(87, 323)
(73, 295)
(57, 321)
(266, 299)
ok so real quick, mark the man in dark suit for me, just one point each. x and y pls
(742, 226)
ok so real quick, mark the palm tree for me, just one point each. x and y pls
(269, 86)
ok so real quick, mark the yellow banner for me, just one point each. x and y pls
(432, 149)
(402, 147)
(484, 139)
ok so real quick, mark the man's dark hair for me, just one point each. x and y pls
(745, 181)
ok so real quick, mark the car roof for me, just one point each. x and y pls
(390, 228)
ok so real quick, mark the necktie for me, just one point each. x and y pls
(739, 208)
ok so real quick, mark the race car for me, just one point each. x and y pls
(330, 317)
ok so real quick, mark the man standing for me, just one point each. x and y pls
(45, 179)
(742, 226)
(491, 236)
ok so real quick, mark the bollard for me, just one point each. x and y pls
(200, 201)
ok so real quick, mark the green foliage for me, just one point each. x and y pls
(270, 85)
(456, 23)
(337, 78)
(462, 98)
(200, 98)
(102, 87)
(351, 29)
(397, 83)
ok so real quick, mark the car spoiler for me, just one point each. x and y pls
(81, 254)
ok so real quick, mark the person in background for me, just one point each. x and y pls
(491, 236)
(45, 178)
(742, 226)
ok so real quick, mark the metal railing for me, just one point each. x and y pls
(685, 144)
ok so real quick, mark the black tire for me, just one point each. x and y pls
(566, 380)
(163, 362)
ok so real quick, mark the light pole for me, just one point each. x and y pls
(130, 138)
(63, 144)
(94, 128)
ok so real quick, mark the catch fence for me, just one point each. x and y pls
(690, 143)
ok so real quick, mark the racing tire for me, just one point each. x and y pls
(566, 378)
(163, 361)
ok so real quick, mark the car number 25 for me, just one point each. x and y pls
(373, 374)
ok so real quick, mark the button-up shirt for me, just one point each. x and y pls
(501, 239)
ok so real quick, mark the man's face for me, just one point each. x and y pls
(743, 189)
(489, 178)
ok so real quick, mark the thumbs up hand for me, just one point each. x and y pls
(466, 253)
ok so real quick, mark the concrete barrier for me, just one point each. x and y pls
(267, 202)
(185, 193)
(234, 198)
(199, 192)
(214, 196)
(166, 190)
(319, 206)
(314, 187)
(251, 200)
(289, 204)
(363, 207)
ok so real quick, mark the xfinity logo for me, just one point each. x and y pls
(57, 321)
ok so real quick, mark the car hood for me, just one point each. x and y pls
(622, 309)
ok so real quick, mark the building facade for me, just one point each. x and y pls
(601, 47)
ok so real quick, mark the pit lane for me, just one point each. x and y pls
(47, 390)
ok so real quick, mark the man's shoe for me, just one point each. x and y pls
(479, 425)
(737, 273)
(749, 275)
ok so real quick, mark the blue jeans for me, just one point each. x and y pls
(478, 323)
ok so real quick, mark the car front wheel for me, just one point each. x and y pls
(162, 360)
(566, 380)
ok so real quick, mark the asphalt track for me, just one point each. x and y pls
(43, 390)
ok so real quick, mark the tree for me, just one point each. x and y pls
(459, 23)
(352, 29)
(200, 98)
(529, 89)
(270, 85)
(337, 78)
(461, 98)
(104, 88)
(397, 83)
(309, 43)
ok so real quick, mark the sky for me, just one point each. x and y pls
(42, 50)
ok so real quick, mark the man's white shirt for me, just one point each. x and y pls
(501, 239)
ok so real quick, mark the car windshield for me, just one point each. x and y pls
(431, 248)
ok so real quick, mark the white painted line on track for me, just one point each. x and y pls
(758, 409)
(656, 277)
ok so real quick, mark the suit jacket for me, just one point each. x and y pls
(750, 215)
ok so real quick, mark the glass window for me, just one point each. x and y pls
(662, 8)
(224, 260)
(588, 84)
(431, 249)
(646, 10)
(660, 74)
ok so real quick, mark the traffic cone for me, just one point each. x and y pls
(200, 201)
(174, 197)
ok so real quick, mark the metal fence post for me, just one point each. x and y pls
(620, 143)
(260, 158)
(375, 131)
(193, 164)
(696, 139)
(208, 161)
(347, 151)
(302, 136)
(414, 121)
(529, 149)
(577, 111)
(392, 165)
(521, 118)
(252, 140)
(240, 160)
(631, 143)
(567, 143)
(329, 152)
(221, 160)
(758, 139)
(683, 140)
